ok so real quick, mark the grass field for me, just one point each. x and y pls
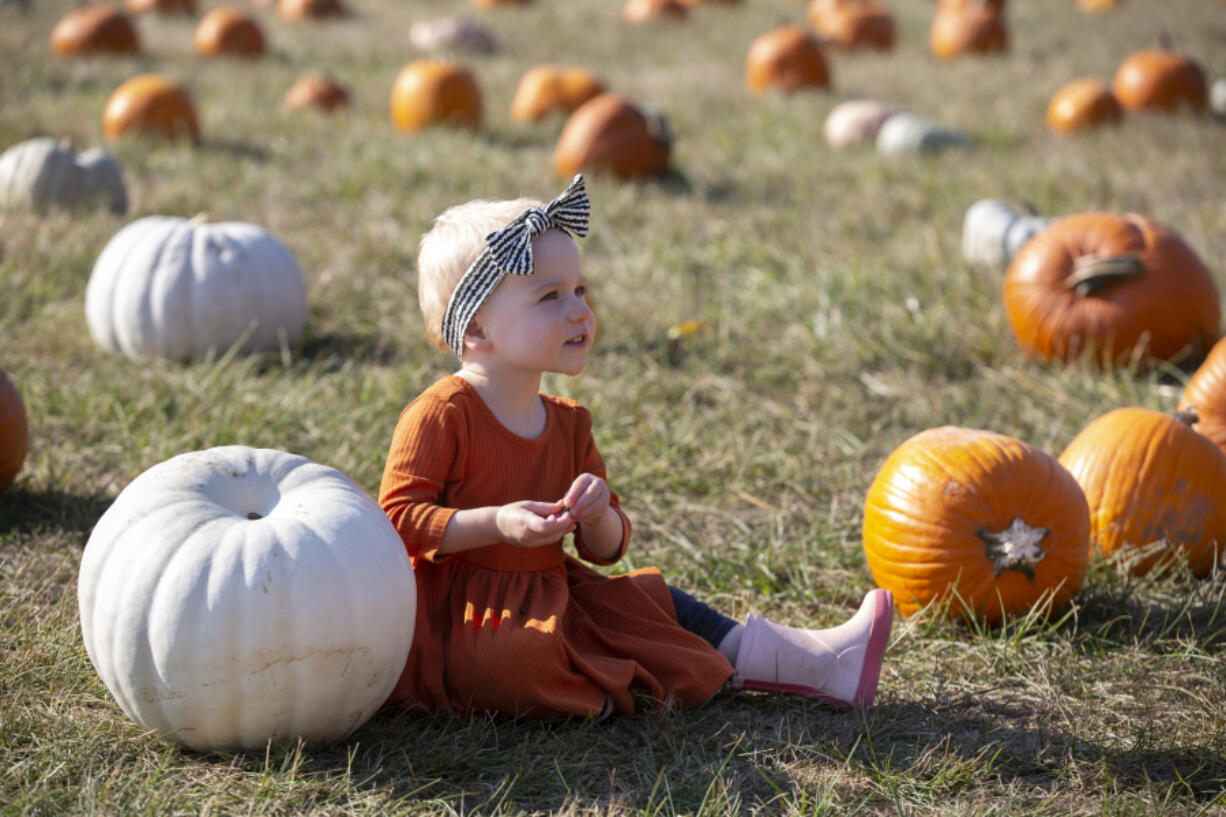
(843, 321)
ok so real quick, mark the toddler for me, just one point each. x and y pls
(486, 476)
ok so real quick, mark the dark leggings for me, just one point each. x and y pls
(700, 619)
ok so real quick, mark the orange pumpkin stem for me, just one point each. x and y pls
(1187, 415)
(1092, 273)
(1015, 548)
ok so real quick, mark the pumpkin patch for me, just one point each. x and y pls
(977, 520)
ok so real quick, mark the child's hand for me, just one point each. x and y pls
(587, 500)
(532, 524)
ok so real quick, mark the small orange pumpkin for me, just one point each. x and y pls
(430, 92)
(309, 9)
(1097, 5)
(1147, 477)
(853, 23)
(229, 31)
(1123, 285)
(963, 5)
(98, 29)
(14, 432)
(160, 6)
(640, 11)
(975, 29)
(316, 91)
(990, 518)
(608, 133)
(150, 104)
(788, 58)
(1083, 104)
(1160, 80)
(1206, 395)
(549, 88)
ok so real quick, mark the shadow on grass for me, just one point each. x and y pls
(743, 754)
(331, 350)
(25, 511)
(1116, 616)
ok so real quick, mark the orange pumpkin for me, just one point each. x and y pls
(316, 91)
(989, 518)
(14, 433)
(976, 29)
(152, 105)
(549, 88)
(1122, 285)
(1083, 104)
(99, 29)
(1149, 478)
(160, 6)
(309, 9)
(430, 92)
(853, 23)
(1097, 5)
(963, 5)
(788, 58)
(1160, 80)
(610, 134)
(1206, 395)
(640, 11)
(229, 31)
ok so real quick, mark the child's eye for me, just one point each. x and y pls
(551, 295)
(581, 291)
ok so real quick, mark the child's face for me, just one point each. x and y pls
(541, 322)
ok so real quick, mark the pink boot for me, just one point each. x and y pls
(838, 666)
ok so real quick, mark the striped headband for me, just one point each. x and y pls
(509, 252)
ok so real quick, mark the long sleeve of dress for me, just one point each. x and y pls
(424, 454)
(593, 463)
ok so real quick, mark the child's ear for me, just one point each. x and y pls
(474, 336)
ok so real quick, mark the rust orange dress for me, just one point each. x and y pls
(530, 632)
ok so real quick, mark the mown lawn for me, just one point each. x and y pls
(842, 321)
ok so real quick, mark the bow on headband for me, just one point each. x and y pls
(509, 252)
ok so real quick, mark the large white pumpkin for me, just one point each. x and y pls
(993, 232)
(41, 173)
(234, 596)
(168, 287)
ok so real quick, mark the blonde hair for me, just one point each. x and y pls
(446, 252)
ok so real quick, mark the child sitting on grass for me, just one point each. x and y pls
(486, 476)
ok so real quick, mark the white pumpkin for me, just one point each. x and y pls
(907, 133)
(41, 173)
(856, 120)
(234, 596)
(168, 287)
(1217, 98)
(451, 32)
(993, 232)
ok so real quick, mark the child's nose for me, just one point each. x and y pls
(580, 311)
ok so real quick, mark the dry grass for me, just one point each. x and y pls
(843, 321)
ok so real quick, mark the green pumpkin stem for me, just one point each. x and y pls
(1094, 272)
(1015, 548)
